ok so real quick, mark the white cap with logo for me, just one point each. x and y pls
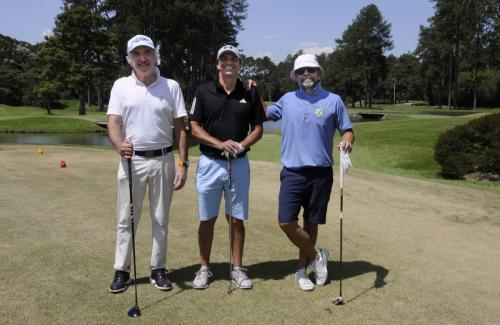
(229, 48)
(305, 61)
(139, 40)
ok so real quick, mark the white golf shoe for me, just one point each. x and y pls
(303, 280)
(202, 279)
(241, 279)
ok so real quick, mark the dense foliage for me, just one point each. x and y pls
(87, 49)
(473, 148)
(456, 62)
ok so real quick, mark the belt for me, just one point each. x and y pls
(153, 153)
(222, 157)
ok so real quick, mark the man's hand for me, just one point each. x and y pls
(126, 149)
(345, 145)
(248, 84)
(231, 148)
(180, 177)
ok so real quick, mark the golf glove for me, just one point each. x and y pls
(228, 154)
(345, 161)
(240, 148)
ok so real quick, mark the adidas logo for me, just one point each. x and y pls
(243, 101)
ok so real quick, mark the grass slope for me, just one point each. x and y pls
(48, 124)
(400, 145)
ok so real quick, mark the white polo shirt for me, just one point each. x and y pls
(147, 112)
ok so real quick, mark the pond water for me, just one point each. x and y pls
(86, 139)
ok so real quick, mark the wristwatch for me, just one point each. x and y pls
(184, 163)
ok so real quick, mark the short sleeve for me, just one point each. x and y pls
(114, 106)
(196, 113)
(343, 117)
(274, 112)
(180, 106)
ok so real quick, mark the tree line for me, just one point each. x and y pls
(456, 62)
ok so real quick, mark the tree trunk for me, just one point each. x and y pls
(394, 93)
(455, 74)
(81, 109)
(365, 86)
(100, 93)
(450, 71)
(440, 92)
(474, 73)
(89, 96)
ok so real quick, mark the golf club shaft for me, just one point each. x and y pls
(341, 223)
(129, 161)
(230, 196)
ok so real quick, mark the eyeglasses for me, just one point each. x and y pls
(301, 71)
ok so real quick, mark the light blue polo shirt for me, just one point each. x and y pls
(308, 124)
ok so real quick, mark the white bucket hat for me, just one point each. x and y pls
(305, 61)
(139, 40)
(229, 48)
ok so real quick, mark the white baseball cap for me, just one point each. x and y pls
(229, 48)
(139, 40)
(305, 61)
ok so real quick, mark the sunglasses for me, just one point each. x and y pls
(301, 71)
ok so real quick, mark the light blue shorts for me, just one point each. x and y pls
(212, 181)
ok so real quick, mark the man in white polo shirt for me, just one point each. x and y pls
(143, 108)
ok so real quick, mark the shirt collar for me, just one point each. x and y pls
(218, 86)
(316, 91)
(157, 72)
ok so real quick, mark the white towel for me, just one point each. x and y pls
(345, 161)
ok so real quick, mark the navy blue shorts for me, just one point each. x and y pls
(309, 188)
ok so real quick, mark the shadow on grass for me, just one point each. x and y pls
(275, 270)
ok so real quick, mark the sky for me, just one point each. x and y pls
(274, 28)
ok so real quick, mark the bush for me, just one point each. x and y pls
(473, 148)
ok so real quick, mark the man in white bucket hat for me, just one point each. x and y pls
(309, 118)
(144, 111)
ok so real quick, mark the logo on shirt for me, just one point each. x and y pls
(243, 101)
(319, 111)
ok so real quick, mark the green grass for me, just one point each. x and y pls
(401, 145)
(23, 119)
(48, 124)
(71, 109)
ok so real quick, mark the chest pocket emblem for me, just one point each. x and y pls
(243, 101)
(319, 111)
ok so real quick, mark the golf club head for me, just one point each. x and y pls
(134, 312)
(229, 289)
(338, 301)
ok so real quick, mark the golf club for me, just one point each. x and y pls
(134, 311)
(230, 196)
(339, 300)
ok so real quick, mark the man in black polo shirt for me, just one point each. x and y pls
(225, 118)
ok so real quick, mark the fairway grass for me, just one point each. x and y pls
(414, 251)
(34, 119)
(401, 145)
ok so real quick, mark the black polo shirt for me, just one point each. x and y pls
(226, 116)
